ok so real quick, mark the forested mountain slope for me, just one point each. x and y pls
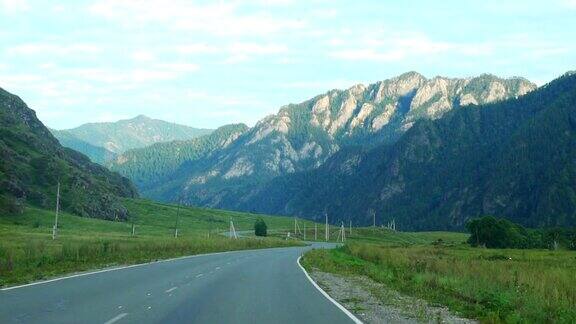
(513, 159)
(303, 136)
(32, 163)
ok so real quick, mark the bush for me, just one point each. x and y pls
(496, 233)
(260, 228)
(10, 205)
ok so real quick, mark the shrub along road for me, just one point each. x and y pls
(256, 286)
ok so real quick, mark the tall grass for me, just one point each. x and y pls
(41, 258)
(495, 286)
(28, 253)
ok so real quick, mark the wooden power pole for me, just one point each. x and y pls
(55, 228)
(327, 230)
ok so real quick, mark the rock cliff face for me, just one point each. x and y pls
(302, 136)
(514, 158)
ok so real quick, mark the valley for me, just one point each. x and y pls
(285, 161)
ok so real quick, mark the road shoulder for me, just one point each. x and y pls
(372, 302)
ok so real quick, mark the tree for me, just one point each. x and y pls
(496, 233)
(260, 228)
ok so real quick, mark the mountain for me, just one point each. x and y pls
(514, 159)
(96, 154)
(123, 135)
(155, 166)
(32, 162)
(303, 136)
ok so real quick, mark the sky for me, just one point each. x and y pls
(210, 63)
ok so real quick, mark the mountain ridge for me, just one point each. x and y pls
(122, 135)
(303, 136)
(512, 159)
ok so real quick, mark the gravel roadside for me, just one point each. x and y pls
(373, 302)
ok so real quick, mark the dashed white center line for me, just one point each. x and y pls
(200, 275)
(217, 268)
(117, 318)
(171, 289)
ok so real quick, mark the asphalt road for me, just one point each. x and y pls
(257, 286)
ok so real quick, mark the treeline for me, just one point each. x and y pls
(493, 232)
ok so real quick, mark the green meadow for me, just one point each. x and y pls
(490, 285)
(28, 253)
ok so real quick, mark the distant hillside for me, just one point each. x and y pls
(514, 159)
(96, 154)
(123, 135)
(32, 162)
(301, 137)
(154, 167)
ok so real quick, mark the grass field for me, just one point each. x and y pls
(28, 253)
(494, 286)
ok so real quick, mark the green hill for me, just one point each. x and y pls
(96, 154)
(32, 163)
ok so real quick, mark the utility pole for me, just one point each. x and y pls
(373, 218)
(133, 229)
(315, 232)
(55, 228)
(232, 230)
(304, 231)
(294, 225)
(350, 232)
(327, 231)
(177, 219)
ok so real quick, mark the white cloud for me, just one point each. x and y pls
(45, 48)
(198, 48)
(108, 116)
(368, 54)
(322, 85)
(275, 2)
(242, 52)
(143, 56)
(257, 49)
(19, 80)
(222, 19)
(179, 67)
(326, 13)
(14, 6)
(569, 4)
(396, 47)
(130, 76)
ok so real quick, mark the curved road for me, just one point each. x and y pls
(256, 286)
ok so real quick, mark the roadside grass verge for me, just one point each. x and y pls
(494, 286)
(28, 253)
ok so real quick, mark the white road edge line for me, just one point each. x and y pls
(171, 290)
(342, 308)
(117, 318)
(117, 268)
